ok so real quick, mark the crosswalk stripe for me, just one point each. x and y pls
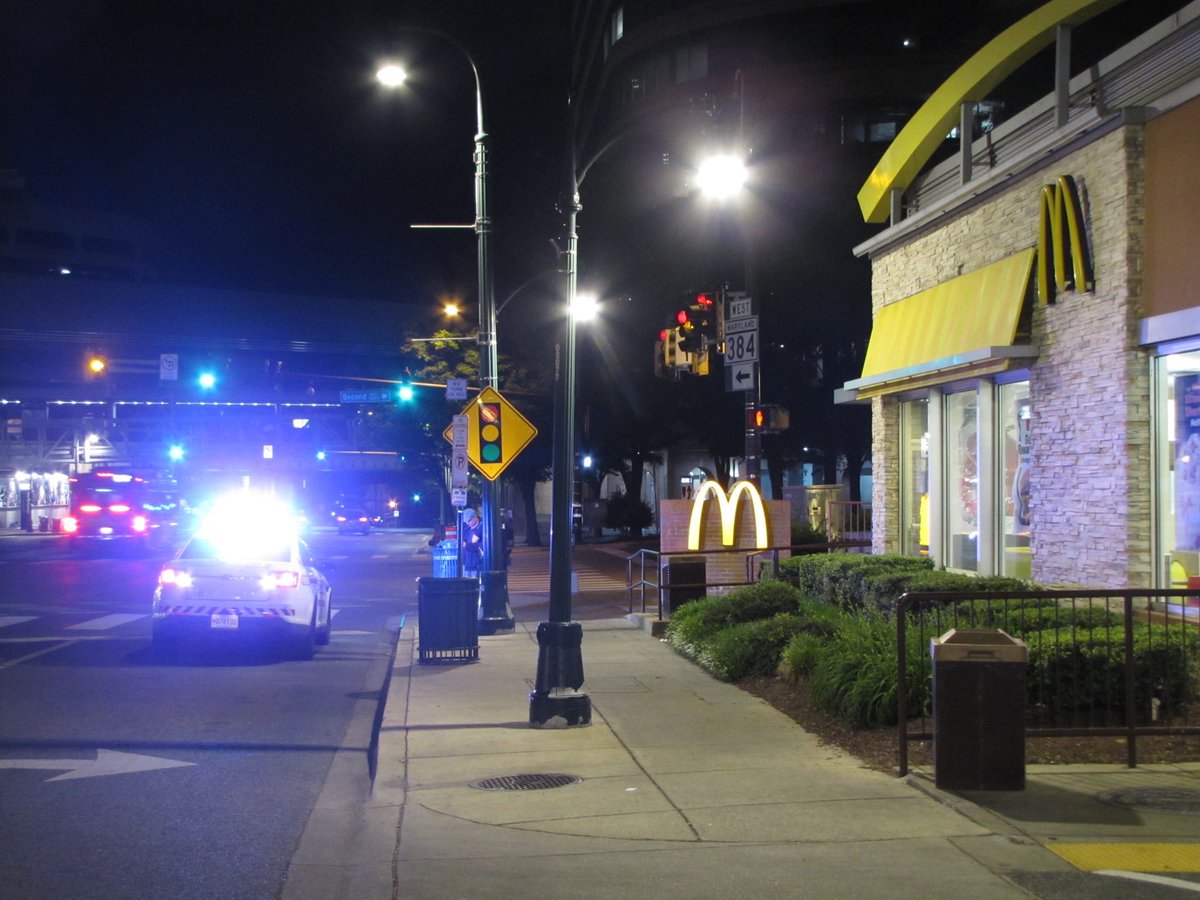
(105, 622)
(5, 621)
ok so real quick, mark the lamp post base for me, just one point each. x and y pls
(570, 709)
(557, 700)
(494, 612)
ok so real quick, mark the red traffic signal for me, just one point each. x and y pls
(705, 300)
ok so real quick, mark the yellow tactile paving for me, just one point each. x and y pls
(1131, 857)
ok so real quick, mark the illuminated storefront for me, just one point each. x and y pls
(1034, 365)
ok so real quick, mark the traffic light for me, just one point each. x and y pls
(670, 340)
(490, 450)
(207, 380)
(689, 336)
(96, 364)
(405, 394)
(769, 418)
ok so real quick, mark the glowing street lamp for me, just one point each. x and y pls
(721, 177)
(495, 613)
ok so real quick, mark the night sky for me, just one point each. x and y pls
(253, 140)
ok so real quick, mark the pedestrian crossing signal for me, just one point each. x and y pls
(489, 433)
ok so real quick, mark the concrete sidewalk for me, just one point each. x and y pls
(688, 787)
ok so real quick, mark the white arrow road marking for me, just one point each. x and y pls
(107, 762)
(106, 622)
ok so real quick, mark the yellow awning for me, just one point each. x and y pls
(966, 325)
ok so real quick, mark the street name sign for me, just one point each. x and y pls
(496, 432)
(367, 396)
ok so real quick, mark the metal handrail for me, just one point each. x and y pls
(642, 582)
(913, 607)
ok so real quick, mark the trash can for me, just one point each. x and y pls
(447, 609)
(979, 710)
(690, 571)
(445, 559)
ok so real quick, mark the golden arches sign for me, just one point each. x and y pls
(1061, 239)
(928, 127)
(728, 504)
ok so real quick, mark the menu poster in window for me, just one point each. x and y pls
(1187, 462)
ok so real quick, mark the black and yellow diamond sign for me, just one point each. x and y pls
(496, 433)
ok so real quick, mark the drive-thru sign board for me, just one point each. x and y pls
(496, 432)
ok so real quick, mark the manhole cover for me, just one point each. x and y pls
(525, 782)
(1166, 800)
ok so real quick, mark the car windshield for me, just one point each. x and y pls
(210, 548)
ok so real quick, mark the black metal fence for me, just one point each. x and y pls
(671, 576)
(1101, 663)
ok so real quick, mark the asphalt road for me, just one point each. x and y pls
(127, 774)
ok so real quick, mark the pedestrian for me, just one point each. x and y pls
(472, 545)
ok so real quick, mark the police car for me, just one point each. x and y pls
(245, 573)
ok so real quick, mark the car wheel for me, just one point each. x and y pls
(305, 645)
(326, 630)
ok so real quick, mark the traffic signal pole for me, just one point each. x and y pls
(495, 614)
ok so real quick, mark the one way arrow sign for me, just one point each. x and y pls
(740, 377)
(107, 762)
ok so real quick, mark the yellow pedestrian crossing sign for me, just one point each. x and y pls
(496, 433)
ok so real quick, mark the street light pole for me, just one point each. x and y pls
(494, 611)
(557, 699)
(495, 614)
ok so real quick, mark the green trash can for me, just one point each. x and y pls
(447, 620)
(979, 710)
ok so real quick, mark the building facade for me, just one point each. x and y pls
(1033, 369)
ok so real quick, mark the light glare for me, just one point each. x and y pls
(721, 177)
(391, 75)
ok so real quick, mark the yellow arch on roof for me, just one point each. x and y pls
(996, 61)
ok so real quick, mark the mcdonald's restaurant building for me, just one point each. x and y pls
(1034, 364)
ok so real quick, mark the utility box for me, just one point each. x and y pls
(979, 710)
(689, 571)
(447, 613)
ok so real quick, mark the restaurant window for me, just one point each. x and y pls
(1014, 410)
(1177, 438)
(914, 477)
(961, 488)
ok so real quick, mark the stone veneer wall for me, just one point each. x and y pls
(675, 515)
(1090, 386)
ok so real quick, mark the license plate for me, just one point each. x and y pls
(106, 529)
(224, 621)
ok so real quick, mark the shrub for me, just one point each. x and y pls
(807, 534)
(695, 623)
(628, 514)
(840, 578)
(749, 648)
(1087, 674)
(802, 653)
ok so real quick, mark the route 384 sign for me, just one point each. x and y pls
(496, 433)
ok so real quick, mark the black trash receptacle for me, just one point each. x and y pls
(447, 609)
(979, 710)
(689, 571)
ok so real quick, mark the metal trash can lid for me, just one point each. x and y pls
(978, 645)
